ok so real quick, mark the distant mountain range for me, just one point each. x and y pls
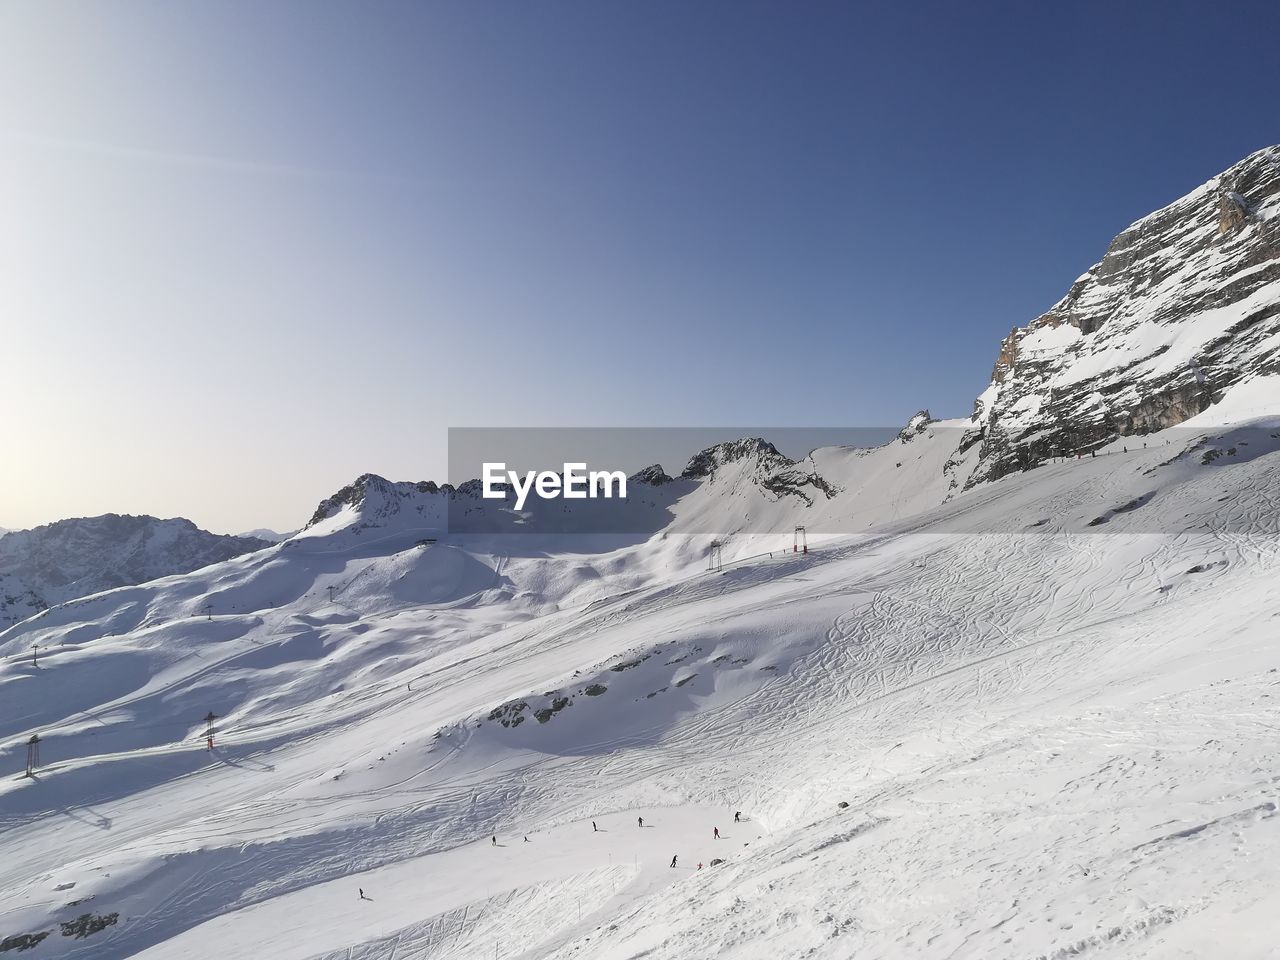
(1180, 311)
(61, 561)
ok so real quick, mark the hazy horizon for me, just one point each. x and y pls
(254, 252)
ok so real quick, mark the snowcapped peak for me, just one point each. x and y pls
(764, 453)
(653, 475)
(918, 423)
(352, 495)
(370, 500)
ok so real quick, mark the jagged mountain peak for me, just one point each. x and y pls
(653, 475)
(375, 497)
(705, 462)
(353, 494)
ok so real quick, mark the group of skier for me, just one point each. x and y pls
(715, 835)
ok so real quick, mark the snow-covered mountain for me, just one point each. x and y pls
(1184, 305)
(992, 713)
(262, 533)
(743, 488)
(74, 558)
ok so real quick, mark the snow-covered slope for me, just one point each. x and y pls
(1032, 717)
(1046, 739)
(73, 558)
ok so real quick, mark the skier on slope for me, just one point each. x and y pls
(640, 821)
(494, 839)
(737, 816)
(674, 859)
(594, 828)
(715, 833)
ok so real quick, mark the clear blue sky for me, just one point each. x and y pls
(256, 249)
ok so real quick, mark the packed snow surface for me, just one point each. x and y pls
(1034, 720)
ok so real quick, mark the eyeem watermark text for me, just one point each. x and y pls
(576, 483)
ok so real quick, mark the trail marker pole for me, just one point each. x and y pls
(715, 557)
(208, 731)
(208, 610)
(331, 594)
(33, 754)
(35, 654)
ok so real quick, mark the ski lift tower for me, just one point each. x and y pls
(208, 728)
(33, 754)
(799, 542)
(715, 557)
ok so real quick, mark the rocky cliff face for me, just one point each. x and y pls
(1185, 303)
(74, 558)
